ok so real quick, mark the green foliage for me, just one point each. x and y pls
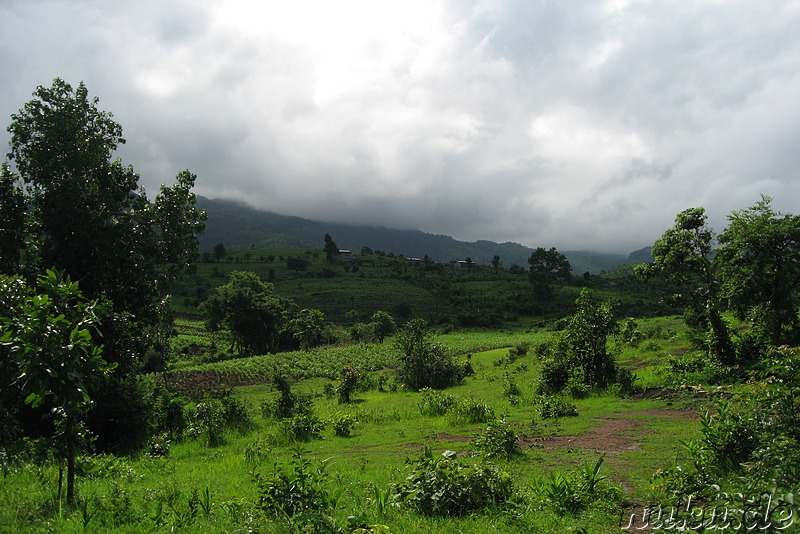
(546, 268)
(299, 428)
(330, 248)
(249, 310)
(47, 344)
(553, 407)
(748, 445)
(288, 404)
(435, 402)
(580, 351)
(307, 327)
(343, 424)
(629, 332)
(760, 270)
(685, 256)
(448, 487)
(12, 221)
(697, 368)
(575, 492)
(216, 413)
(85, 216)
(424, 364)
(348, 381)
(518, 351)
(383, 325)
(297, 492)
(470, 411)
(498, 440)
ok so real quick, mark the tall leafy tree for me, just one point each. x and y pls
(308, 327)
(248, 309)
(12, 221)
(330, 248)
(684, 254)
(496, 263)
(383, 325)
(86, 216)
(760, 263)
(546, 268)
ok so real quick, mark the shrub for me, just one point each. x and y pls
(216, 413)
(447, 487)
(574, 492)
(498, 440)
(470, 411)
(551, 407)
(207, 421)
(553, 376)
(518, 351)
(288, 403)
(343, 424)
(435, 402)
(302, 427)
(510, 388)
(423, 364)
(577, 389)
(348, 381)
(296, 490)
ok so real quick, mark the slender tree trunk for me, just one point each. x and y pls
(70, 435)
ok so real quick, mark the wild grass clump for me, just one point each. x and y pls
(435, 402)
(575, 492)
(470, 411)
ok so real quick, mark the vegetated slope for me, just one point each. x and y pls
(239, 226)
(352, 290)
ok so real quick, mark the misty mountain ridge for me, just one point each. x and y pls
(239, 226)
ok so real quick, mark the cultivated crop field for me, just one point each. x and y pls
(349, 462)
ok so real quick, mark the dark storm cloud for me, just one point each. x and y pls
(578, 125)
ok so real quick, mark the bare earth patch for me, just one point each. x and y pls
(612, 435)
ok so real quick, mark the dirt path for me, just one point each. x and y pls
(613, 435)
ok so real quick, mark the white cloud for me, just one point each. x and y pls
(577, 125)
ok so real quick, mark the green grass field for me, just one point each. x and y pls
(200, 488)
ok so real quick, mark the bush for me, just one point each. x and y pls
(423, 364)
(216, 413)
(435, 402)
(510, 388)
(348, 381)
(343, 424)
(447, 487)
(470, 411)
(553, 376)
(288, 403)
(577, 389)
(551, 407)
(302, 427)
(574, 492)
(498, 440)
(297, 491)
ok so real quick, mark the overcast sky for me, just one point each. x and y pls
(576, 124)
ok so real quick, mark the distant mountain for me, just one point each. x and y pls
(643, 255)
(239, 226)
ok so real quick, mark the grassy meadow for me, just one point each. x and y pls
(363, 449)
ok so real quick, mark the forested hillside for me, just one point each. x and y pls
(239, 226)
